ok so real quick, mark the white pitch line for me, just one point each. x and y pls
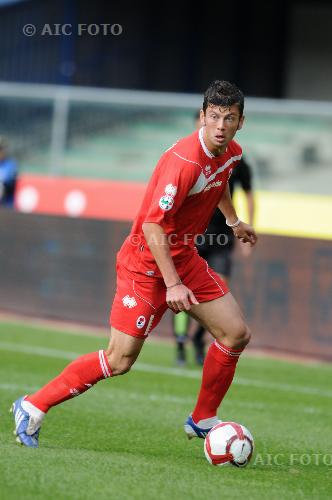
(19, 387)
(163, 370)
(117, 395)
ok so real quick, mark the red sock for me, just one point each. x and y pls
(218, 372)
(75, 379)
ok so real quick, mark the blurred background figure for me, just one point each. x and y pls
(8, 176)
(217, 248)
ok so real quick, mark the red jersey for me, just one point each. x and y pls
(182, 195)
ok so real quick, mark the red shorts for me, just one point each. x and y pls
(140, 303)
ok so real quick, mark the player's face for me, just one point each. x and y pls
(221, 125)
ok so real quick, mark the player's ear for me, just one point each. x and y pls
(202, 117)
(240, 125)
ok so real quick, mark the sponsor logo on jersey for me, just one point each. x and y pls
(129, 302)
(213, 185)
(140, 322)
(166, 202)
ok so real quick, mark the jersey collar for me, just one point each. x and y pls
(201, 140)
(205, 149)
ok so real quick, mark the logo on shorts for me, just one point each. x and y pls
(129, 301)
(167, 200)
(140, 322)
(149, 273)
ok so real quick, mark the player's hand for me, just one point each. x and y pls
(245, 233)
(180, 298)
(245, 249)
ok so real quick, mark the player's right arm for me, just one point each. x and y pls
(178, 296)
(174, 178)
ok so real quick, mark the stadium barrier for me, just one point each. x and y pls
(287, 214)
(64, 268)
(120, 134)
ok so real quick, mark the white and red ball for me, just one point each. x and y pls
(229, 443)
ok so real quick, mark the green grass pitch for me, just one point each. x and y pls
(124, 438)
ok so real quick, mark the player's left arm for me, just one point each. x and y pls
(241, 230)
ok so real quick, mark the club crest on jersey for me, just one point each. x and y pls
(140, 322)
(129, 302)
(207, 170)
(166, 202)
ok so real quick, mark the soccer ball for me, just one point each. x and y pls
(229, 443)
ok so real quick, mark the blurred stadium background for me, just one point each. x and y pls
(87, 117)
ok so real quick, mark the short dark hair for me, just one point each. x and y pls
(224, 94)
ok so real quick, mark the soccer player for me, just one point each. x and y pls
(158, 267)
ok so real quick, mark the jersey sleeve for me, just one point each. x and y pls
(173, 180)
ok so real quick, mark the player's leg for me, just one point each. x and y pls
(137, 308)
(122, 351)
(220, 260)
(180, 323)
(79, 376)
(85, 371)
(219, 313)
(223, 318)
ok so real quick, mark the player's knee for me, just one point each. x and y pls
(121, 370)
(120, 366)
(238, 336)
(242, 336)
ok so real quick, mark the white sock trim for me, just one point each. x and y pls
(103, 364)
(227, 350)
(206, 423)
(35, 412)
